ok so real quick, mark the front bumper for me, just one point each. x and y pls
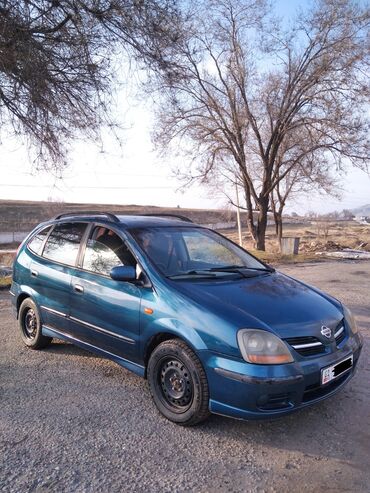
(246, 391)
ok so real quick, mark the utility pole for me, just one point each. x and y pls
(238, 215)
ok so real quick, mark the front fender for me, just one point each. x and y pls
(175, 327)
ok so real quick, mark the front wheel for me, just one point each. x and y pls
(178, 383)
(30, 325)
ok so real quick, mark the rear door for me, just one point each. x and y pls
(52, 272)
(104, 312)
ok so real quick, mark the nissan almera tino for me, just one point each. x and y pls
(212, 328)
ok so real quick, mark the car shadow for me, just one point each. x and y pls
(314, 431)
(334, 428)
(66, 348)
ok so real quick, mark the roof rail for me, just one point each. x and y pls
(111, 217)
(173, 216)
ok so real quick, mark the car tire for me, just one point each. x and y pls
(178, 383)
(30, 325)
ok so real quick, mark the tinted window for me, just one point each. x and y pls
(64, 242)
(105, 250)
(177, 250)
(37, 241)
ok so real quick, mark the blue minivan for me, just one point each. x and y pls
(213, 329)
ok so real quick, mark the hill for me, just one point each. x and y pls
(362, 211)
(24, 215)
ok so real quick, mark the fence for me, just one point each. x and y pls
(12, 237)
(228, 225)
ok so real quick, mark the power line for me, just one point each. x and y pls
(92, 187)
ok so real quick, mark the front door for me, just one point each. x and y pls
(103, 312)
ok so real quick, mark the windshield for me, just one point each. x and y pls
(180, 252)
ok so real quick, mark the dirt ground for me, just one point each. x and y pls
(74, 422)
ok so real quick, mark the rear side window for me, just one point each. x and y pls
(35, 245)
(64, 242)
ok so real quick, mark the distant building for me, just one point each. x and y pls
(363, 219)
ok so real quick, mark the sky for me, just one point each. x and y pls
(135, 174)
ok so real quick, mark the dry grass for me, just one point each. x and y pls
(313, 238)
(5, 282)
(6, 259)
(278, 258)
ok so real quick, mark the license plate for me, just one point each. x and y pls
(331, 372)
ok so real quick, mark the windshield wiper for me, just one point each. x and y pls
(237, 268)
(201, 273)
(211, 272)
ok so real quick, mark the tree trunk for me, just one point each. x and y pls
(278, 217)
(262, 224)
(279, 227)
(251, 226)
(250, 218)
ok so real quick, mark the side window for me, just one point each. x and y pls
(35, 245)
(64, 242)
(105, 250)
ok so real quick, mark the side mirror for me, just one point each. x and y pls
(123, 273)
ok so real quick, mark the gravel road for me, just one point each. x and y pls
(71, 421)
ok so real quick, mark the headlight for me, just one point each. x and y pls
(350, 319)
(262, 347)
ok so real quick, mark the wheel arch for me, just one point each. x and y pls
(157, 339)
(23, 296)
(24, 293)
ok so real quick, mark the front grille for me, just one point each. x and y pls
(307, 345)
(340, 334)
(311, 346)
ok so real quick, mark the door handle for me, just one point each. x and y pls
(78, 288)
(34, 273)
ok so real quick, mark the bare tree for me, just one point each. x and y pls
(347, 214)
(307, 175)
(294, 185)
(56, 63)
(323, 226)
(247, 89)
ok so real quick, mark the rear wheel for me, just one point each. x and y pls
(30, 326)
(178, 383)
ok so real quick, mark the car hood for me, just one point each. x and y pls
(274, 301)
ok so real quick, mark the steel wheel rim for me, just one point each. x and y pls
(175, 385)
(30, 324)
